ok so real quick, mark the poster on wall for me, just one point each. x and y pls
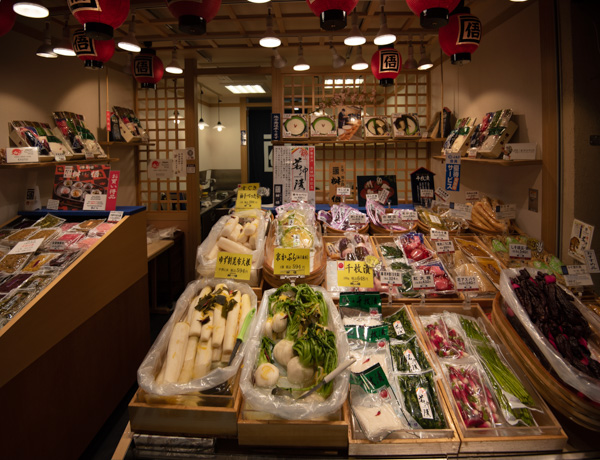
(581, 239)
(73, 183)
(293, 174)
(422, 185)
(337, 178)
(382, 186)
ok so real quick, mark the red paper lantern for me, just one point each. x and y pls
(332, 13)
(99, 17)
(461, 36)
(193, 15)
(147, 68)
(433, 13)
(93, 53)
(386, 64)
(7, 16)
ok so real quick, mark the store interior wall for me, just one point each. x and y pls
(220, 150)
(31, 88)
(505, 73)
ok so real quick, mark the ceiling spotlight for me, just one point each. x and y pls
(356, 38)
(259, 1)
(45, 50)
(31, 10)
(385, 36)
(220, 126)
(301, 64)
(174, 66)
(360, 63)
(65, 47)
(269, 40)
(129, 42)
(337, 60)
(279, 62)
(201, 123)
(411, 62)
(425, 61)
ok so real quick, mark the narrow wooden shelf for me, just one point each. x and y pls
(54, 163)
(360, 142)
(123, 143)
(494, 162)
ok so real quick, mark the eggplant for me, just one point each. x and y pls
(361, 252)
(344, 243)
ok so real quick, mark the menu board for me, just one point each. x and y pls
(72, 183)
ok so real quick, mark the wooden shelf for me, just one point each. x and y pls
(494, 162)
(360, 142)
(54, 163)
(123, 143)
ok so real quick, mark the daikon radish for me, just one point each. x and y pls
(243, 239)
(252, 241)
(160, 378)
(219, 326)
(219, 287)
(203, 359)
(192, 308)
(188, 361)
(231, 328)
(246, 307)
(216, 354)
(236, 232)
(229, 226)
(176, 351)
(232, 246)
(213, 253)
(196, 323)
(207, 328)
(251, 227)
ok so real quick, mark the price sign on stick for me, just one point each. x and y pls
(233, 266)
(344, 191)
(354, 274)
(291, 262)
(439, 234)
(444, 247)
(408, 215)
(466, 283)
(391, 277)
(422, 282)
(519, 251)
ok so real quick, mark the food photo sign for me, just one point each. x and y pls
(76, 184)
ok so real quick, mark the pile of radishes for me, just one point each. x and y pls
(474, 400)
(414, 247)
(440, 278)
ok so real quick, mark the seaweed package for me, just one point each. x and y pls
(409, 357)
(399, 325)
(421, 400)
(375, 405)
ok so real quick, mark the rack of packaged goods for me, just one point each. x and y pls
(54, 163)
(488, 161)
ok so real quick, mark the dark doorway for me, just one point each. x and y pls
(260, 150)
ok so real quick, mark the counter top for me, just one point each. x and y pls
(219, 203)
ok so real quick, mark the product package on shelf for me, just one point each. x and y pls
(322, 126)
(74, 131)
(406, 125)
(380, 217)
(130, 127)
(40, 135)
(440, 217)
(342, 218)
(459, 139)
(494, 132)
(378, 127)
(349, 124)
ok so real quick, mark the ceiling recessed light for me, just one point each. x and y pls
(245, 89)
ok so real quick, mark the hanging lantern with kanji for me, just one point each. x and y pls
(461, 36)
(7, 16)
(147, 68)
(100, 18)
(93, 53)
(433, 13)
(193, 15)
(332, 13)
(386, 64)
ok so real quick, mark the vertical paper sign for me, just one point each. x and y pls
(303, 171)
(108, 115)
(452, 171)
(113, 187)
(581, 239)
(337, 178)
(179, 162)
(282, 174)
(275, 126)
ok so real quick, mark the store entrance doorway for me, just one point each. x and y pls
(260, 150)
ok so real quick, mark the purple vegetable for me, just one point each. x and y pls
(344, 243)
(361, 252)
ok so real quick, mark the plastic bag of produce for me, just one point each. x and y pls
(193, 350)
(297, 340)
(558, 323)
(399, 325)
(419, 394)
(444, 336)
(413, 245)
(409, 357)
(342, 217)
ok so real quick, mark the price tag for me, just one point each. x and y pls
(52, 204)
(506, 211)
(247, 199)
(372, 196)
(57, 246)
(577, 275)
(60, 157)
(461, 210)
(590, 261)
(444, 247)
(89, 155)
(22, 155)
(383, 195)
(390, 219)
(413, 364)
(422, 282)
(253, 186)
(426, 192)
(472, 195)
(424, 404)
(94, 203)
(392, 277)
(299, 196)
(408, 215)
(354, 274)
(233, 266)
(357, 219)
(466, 283)
(366, 301)
(435, 219)
(519, 251)
(115, 216)
(442, 194)
(25, 247)
(292, 262)
(343, 191)
(438, 234)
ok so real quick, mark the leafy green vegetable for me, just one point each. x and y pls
(421, 401)
(472, 329)
(409, 357)
(399, 325)
(391, 251)
(265, 354)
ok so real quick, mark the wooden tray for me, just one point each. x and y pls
(256, 428)
(377, 230)
(329, 230)
(258, 290)
(560, 396)
(547, 436)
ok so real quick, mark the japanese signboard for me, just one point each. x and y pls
(337, 178)
(291, 262)
(293, 171)
(354, 274)
(233, 266)
(452, 171)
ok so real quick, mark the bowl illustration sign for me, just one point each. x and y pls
(295, 126)
(377, 127)
(323, 125)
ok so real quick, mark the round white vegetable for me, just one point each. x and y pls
(268, 328)
(279, 322)
(266, 375)
(297, 373)
(283, 351)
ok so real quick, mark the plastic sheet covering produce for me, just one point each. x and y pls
(290, 328)
(182, 359)
(564, 335)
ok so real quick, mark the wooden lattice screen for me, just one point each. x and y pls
(410, 94)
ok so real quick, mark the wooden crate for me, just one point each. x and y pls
(198, 414)
(547, 436)
(256, 428)
(258, 290)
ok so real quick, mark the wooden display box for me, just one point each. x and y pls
(256, 428)
(547, 436)
(258, 290)
(199, 414)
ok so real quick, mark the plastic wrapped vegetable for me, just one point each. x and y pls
(445, 340)
(421, 400)
(441, 278)
(399, 325)
(376, 211)
(408, 357)
(342, 217)
(413, 245)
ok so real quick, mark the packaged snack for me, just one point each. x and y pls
(12, 263)
(14, 282)
(49, 221)
(38, 262)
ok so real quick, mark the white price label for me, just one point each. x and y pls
(391, 277)
(25, 247)
(94, 203)
(472, 195)
(506, 211)
(343, 191)
(372, 196)
(439, 234)
(22, 155)
(466, 283)
(89, 155)
(115, 216)
(435, 219)
(399, 328)
(357, 219)
(453, 158)
(442, 194)
(444, 247)
(579, 280)
(576, 270)
(519, 251)
(413, 364)
(591, 261)
(299, 196)
(60, 157)
(461, 211)
(383, 195)
(389, 219)
(52, 204)
(426, 193)
(421, 282)
(424, 403)
(57, 246)
(408, 215)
